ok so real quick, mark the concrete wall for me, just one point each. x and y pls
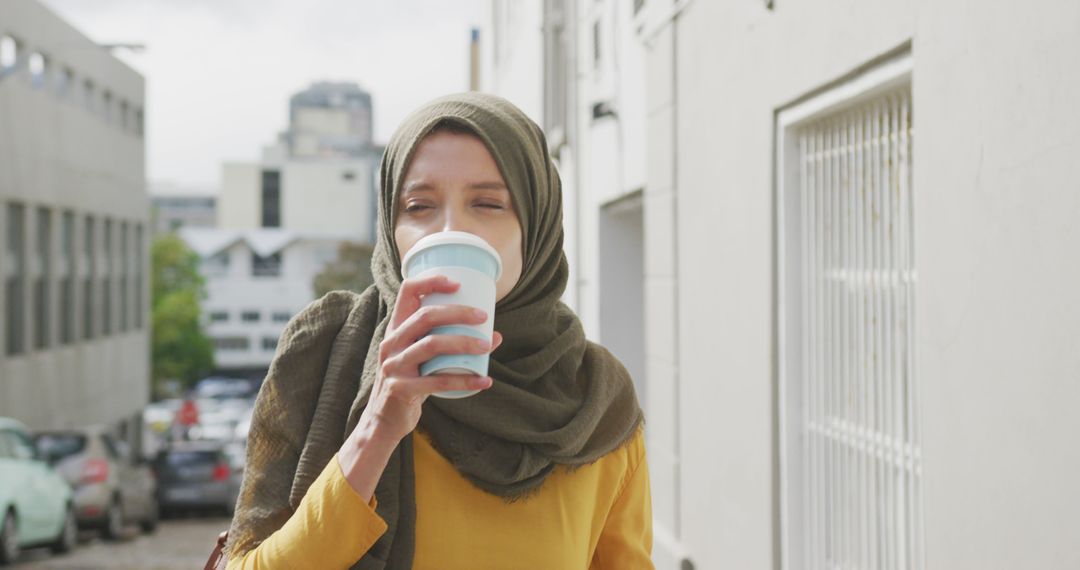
(240, 202)
(995, 86)
(56, 153)
(316, 195)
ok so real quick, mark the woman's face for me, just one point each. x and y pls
(453, 183)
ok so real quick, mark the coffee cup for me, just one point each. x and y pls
(469, 260)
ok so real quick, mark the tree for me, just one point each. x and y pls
(180, 348)
(350, 271)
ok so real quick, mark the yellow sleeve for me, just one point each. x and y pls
(626, 540)
(333, 526)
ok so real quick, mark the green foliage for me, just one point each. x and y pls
(180, 349)
(350, 271)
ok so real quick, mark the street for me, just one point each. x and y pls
(177, 544)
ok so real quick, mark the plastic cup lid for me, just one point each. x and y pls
(452, 238)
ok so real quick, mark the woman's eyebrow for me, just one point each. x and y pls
(417, 186)
(422, 185)
(491, 185)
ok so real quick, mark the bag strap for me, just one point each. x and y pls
(217, 559)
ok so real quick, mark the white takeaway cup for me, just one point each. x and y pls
(469, 260)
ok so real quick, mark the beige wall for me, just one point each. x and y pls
(995, 86)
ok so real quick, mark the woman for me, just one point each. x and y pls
(351, 464)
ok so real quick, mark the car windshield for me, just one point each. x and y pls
(60, 445)
(190, 458)
(223, 388)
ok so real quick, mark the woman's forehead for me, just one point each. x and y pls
(448, 157)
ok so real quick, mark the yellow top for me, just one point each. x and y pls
(598, 517)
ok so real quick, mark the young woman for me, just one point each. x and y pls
(352, 465)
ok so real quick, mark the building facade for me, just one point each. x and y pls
(73, 227)
(256, 280)
(857, 260)
(282, 219)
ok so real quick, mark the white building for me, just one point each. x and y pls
(256, 280)
(859, 237)
(74, 345)
(282, 219)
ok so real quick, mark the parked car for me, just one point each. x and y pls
(36, 503)
(113, 486)
(222, 388)
(196, 474)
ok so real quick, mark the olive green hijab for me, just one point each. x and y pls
(558, 399)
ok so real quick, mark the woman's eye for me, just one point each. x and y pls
(491, 205)
(413, 208)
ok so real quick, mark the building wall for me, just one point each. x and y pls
(240, 202)
(329, 196)
(57, 153)
(232, 289)
(993, 88)
(325, 195)
(994, 195)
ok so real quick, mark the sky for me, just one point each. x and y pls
(219, 73)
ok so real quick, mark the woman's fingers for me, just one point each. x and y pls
(408, 299)
(424, 319)
(409, 388)
(496, 340)
(407, 362)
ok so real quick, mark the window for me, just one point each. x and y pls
(106, 280)
(67, 278)
(139, 124)
(19, 446)
(596, 45)
(124, 111)
(88, 96)
(15, 275)
(851, 474)
(249, 316)
(232, 343)
(38, 65)
(216, 265)
(107, 106)
(280, 316)
(42, 279)
(269, 266)
(557, 70)
(219, 316)
(269, 343)
(9, 53)
(271, 199)
(122, 278)
(88, 275)
(65, 78)
(139, 252)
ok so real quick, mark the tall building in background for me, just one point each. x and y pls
(318, 176)
(857, 265)
(74, 214)
(280, 221)
(330, 120)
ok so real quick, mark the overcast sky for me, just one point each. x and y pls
(219, 72)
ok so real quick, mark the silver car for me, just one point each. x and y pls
(112, 486)
(196, 474)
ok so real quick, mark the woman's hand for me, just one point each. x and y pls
(393, 410)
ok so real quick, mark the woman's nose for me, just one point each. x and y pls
(456, 221)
